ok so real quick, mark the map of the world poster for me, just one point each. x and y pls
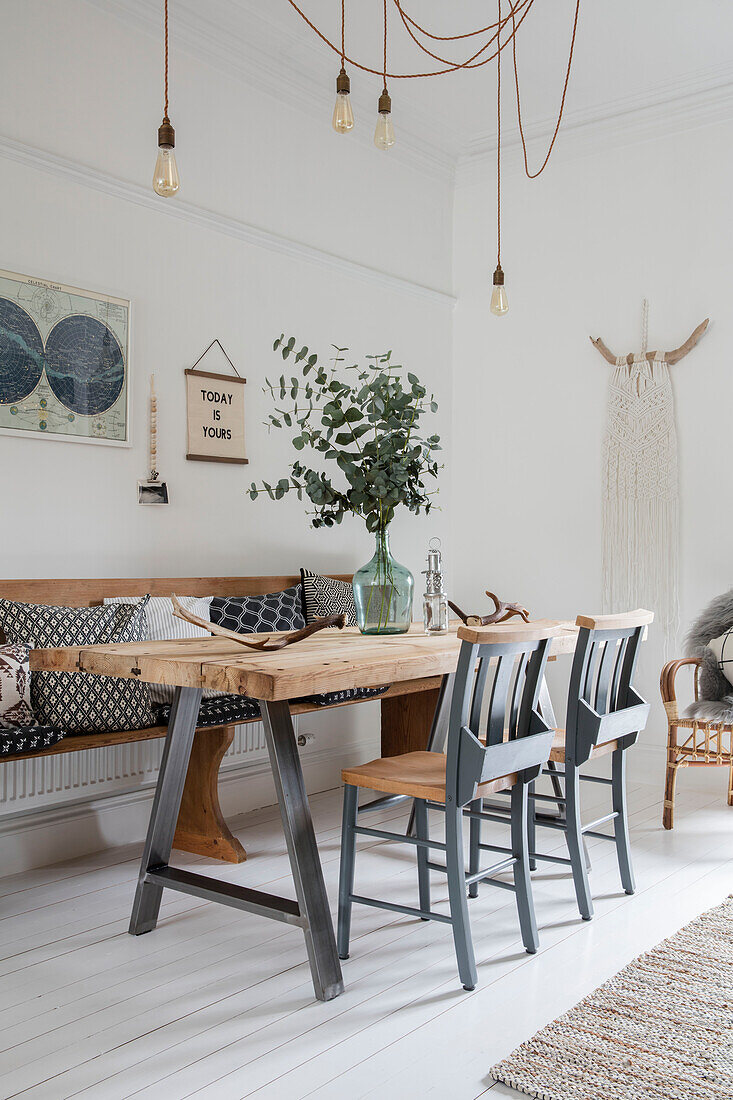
(63, 361)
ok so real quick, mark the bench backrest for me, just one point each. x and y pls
(91, 593)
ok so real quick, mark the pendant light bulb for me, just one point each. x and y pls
(166, 180)
(343, 116)
(384, 132)
(499, 304)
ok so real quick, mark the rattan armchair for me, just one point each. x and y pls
(701, 745)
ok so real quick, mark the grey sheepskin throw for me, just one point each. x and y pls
(716, 704)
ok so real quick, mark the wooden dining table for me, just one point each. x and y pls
(328, 661)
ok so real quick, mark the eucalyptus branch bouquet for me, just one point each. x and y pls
(367, 422)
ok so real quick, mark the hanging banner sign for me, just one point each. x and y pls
(215, 405)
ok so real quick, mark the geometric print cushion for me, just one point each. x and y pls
(259, 614)
(163, 625)
(15, 686)
(220, 711)
(282, 611)
(347, 695)
(227, 709)
(74, 701)
(325, 596)
(28, 739)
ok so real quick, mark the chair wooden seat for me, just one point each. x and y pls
(557, 753)
(416, 774)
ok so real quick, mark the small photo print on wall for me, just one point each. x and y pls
(64, 367)
(152, 492)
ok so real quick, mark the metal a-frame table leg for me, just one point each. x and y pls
(311, 912)
(305, 862)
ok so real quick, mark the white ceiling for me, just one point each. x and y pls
(630, 55)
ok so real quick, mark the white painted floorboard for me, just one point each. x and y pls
(217, 1004)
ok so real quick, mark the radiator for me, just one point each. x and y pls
(109, 770)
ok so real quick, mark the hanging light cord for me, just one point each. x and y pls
(519, 10)
(498, 150)
(443, 37)
(165, 22)
(471, 63)
(343, 32)
(533, 175)
(523, 6)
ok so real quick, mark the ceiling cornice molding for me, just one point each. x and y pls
(231, 227)
(706, 99)
(227, 49)
(685, 101)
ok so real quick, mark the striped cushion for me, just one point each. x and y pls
(162, 625)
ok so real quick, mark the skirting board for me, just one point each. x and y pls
(40, 837)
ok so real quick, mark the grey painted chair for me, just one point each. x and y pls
(605, 715)
(519, 742)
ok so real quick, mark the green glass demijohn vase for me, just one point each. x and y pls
(383, 592)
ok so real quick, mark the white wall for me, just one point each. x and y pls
(82, 91)
(601, 229)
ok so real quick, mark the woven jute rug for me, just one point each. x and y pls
(662, 1029)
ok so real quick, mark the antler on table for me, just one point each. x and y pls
(505, 610)
(266, 645)
(502, 611)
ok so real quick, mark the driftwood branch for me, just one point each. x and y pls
(670, 357)
(267, 644)
(680, 352)
(502, 612)
(605, 352)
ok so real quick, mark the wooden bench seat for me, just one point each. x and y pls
(407, 708)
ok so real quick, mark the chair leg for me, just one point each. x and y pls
(474, 839)
(346, 876)
(423, 872)
(522, 807)
(621, 823)
(574, 838)
(730, 786)
(557, 790)
(531, 830)
(455, 865)
(670, 785)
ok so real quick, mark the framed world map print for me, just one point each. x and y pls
(64, 366)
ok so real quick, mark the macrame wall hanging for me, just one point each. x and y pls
(640, 485)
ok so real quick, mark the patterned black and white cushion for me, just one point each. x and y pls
(259, 614)
(219, 711)
(349, 695)
(326, 596)
(28, 739)
(15, 687)
(73, 701)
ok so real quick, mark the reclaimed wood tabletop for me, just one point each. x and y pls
(331, 660)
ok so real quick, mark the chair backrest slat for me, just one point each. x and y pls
(501, 682)
(496, 686)
(601, 678)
